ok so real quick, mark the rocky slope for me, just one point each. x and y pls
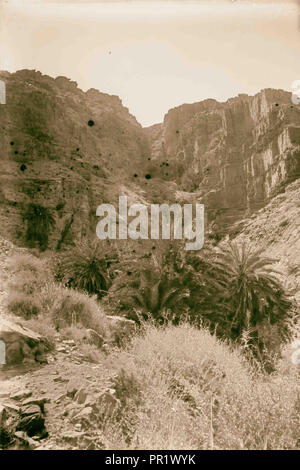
(234, 156)
(65, 150)
(276, 228)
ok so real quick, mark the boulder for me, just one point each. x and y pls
(20, 342)
(73, 387)
(26, 441)
(40, 402)
(21, 394)
(85, 417)
(94, 338)
(81, 396)
(106, 403)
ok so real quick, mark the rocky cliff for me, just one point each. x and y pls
(69, 151)
(65, 150)
(234, 156)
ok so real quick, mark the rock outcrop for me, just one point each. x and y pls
(235, 156)
(65, 150)
(68, 151)
(19, 343)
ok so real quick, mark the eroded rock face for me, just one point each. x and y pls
(65, 150)
(236, 155)
(20, 342)
(69, 151)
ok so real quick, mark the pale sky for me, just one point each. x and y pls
(156, 54)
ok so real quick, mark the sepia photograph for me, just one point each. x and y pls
(149, 228)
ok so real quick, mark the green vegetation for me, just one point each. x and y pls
(253, 293)
(183, 379)
(32, 292)
(233, 290)
(86, 267)
(39, 224)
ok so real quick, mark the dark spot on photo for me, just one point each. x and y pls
(91, 123)
(12, 143)
(16, 152)
(148, 176)
(23, 167)
(135, 175)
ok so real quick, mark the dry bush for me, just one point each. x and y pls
(44, 327)
(27, 274)
(91, 353)
(21, 262)
(23, 305)
(67, 307)
(75, 332)
(25, 263)
(198, 393)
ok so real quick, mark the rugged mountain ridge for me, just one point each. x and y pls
(69, 151)
(63, 149)
(234, 156)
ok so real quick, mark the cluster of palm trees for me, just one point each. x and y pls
(232, 289)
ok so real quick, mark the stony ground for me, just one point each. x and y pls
(74, 393)
(68, 393)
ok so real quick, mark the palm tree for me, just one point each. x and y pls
(150, 284)
(253, 293)
(88, 267)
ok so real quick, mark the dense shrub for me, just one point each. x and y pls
(153, 283)
(27, 276)
(232, 289)
(26, 263)
(87, 267)
(24, 306)
(39, 224)
(68, 307)
(196, 392)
